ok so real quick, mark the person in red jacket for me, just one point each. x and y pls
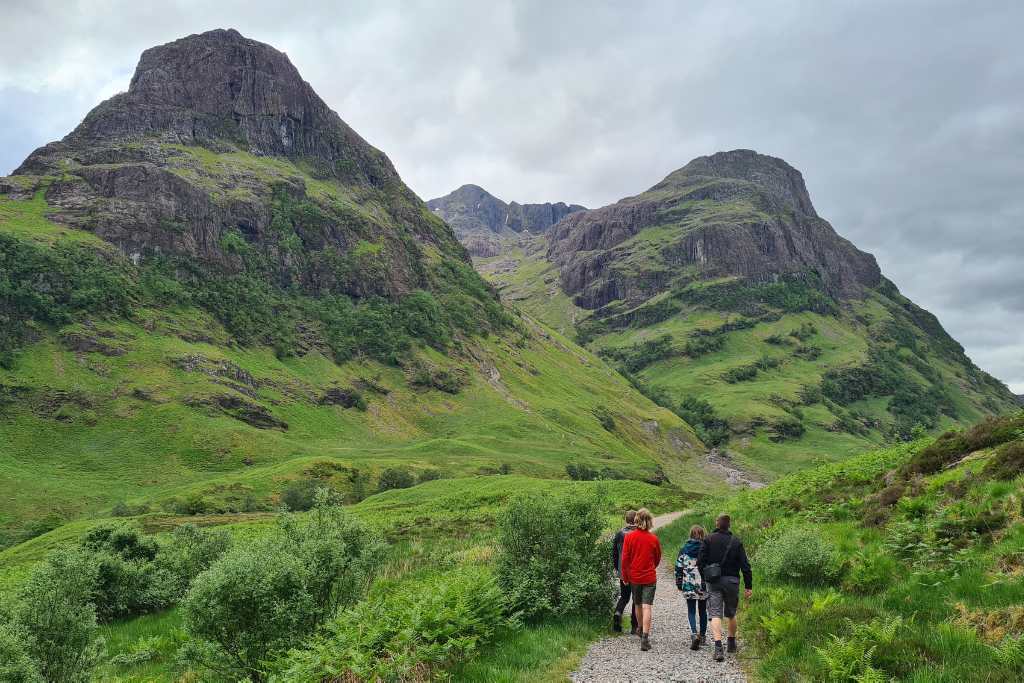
(641, 555)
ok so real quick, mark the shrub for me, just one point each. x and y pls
(711, 429)
(800, 555)
(638, 356)
(189, 552)
(1007, 463)
(54, 616)
(605, 417)
(429, 475)
(787, 428)
(870, 573)
(300, 495)
(740, 373)
(551, 559)
(123, 557)
(396, 478)
(258, 600)
(16, 666)
(405, 634)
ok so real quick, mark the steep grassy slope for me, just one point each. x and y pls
(899, 564)
(161, 405)
(724, 297)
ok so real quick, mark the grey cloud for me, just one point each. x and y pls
(907, 119)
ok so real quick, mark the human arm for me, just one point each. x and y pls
(617, 551)
(748, 575)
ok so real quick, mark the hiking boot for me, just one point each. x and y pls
(635, 631)
(719, 653)
(694, 642)
(617, 623)
(731, 646)
(703, 638)
(645, 642)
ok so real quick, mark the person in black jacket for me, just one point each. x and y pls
(727, 551)
(624, 589)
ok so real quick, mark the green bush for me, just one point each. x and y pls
(1007, 463)
(605, 417)
(16, 665)
(551, 559)
(54, 617)
(409, 633)
(870, 573)
(300, 495)
(396, 478)
(430, 474)
(800, 554)
(189, 552)
(261, 599)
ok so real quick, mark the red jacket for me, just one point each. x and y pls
(641, 555)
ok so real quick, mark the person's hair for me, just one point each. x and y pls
(723, 522)
(697, 532)
(630, 516)
(644, 519)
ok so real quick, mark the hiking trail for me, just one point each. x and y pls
(618, 659)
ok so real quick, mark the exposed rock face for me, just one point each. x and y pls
(733, 213)
(479, 217)
(143, 172)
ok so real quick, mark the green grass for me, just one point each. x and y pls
(938, 560)
(27, 219)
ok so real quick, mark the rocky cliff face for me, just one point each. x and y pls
(479, 218)
(733, 213)
(220, 152)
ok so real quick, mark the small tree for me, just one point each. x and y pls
(259, 600)
(16, 665)
(52, 614)
(550, 556)
(395, 478)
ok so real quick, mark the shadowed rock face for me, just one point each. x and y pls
(142, 172)
(478, 217)
(733, 213)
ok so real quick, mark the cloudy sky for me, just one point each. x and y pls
(906, 118)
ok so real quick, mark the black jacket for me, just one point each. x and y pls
(620, 537)
(713, 550)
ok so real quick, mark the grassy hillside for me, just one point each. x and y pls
(111, 393)
(899, 564)
(781, 375)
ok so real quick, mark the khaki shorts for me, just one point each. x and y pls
(643, 594)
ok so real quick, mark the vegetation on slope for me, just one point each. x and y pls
(899, 564)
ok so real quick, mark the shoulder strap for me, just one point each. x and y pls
(732, 539)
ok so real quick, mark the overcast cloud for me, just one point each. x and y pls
(906, 119)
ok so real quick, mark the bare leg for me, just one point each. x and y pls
(716, 628)
(647, 618)
(732, 627)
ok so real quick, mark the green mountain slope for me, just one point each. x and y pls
(725, 297)
(907, 560)
(213, 287)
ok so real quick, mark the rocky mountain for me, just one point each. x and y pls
(480, 220)
(723, 295)
(213, 287)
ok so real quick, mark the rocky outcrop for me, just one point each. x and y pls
(479, 218)
(734, 213)
(143, 172)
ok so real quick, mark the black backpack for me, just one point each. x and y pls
(713, 571)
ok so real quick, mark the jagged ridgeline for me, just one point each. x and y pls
(214, 287)
(723, 295)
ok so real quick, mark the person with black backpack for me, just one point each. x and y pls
(721, 559)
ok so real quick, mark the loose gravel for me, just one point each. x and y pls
(618, 659)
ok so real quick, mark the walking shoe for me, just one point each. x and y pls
(719, 653)
(694, 642)
(731, 646)
(645, 642)
(617, 623)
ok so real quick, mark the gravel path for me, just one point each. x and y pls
(618, 659)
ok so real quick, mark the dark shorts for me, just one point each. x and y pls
(724, 598)
(643, 594)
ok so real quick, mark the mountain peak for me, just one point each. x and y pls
(769, 173)
(222, 89)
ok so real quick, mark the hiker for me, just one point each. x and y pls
(624, 589)
(720, 562)
(641, 555)
(690, 582)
